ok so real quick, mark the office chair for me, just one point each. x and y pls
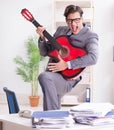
(12, 101)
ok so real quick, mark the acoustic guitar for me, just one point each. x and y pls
(61, 47)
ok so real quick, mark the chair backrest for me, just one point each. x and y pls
(12, 101)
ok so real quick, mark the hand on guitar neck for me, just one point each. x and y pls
(40, 30)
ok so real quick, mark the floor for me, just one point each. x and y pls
(23, 104)
(4, 108)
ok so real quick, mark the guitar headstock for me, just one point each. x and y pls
(27, 15)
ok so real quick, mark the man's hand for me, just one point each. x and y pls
(59, 66)
(40, 30)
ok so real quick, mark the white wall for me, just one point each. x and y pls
(14, 30)
(103, 72)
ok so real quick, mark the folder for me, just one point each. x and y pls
(50, 114)
(39, 116)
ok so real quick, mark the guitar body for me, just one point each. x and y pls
(62, 47)
(73, 53)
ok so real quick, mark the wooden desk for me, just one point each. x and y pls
(14, 122)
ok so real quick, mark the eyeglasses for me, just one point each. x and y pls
(76, 20)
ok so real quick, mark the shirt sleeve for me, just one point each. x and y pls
(69, 65)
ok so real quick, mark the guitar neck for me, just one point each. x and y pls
(48, 36)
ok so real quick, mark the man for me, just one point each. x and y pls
(53, 85)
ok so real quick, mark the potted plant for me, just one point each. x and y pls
(29, 69)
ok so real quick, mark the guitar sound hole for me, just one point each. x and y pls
(64, 51)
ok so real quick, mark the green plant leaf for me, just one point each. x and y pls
(29, 69)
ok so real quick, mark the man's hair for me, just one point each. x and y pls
(72, 9)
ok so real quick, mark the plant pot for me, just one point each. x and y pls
(34, 101)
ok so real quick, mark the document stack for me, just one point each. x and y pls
(93, 113)
(52, 119)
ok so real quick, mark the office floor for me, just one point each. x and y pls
(4, 108)
(23, 104)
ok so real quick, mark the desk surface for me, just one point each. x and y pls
(14, 122)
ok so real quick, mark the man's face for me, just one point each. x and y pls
(74, 22)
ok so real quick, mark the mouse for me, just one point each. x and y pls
(25, 113)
